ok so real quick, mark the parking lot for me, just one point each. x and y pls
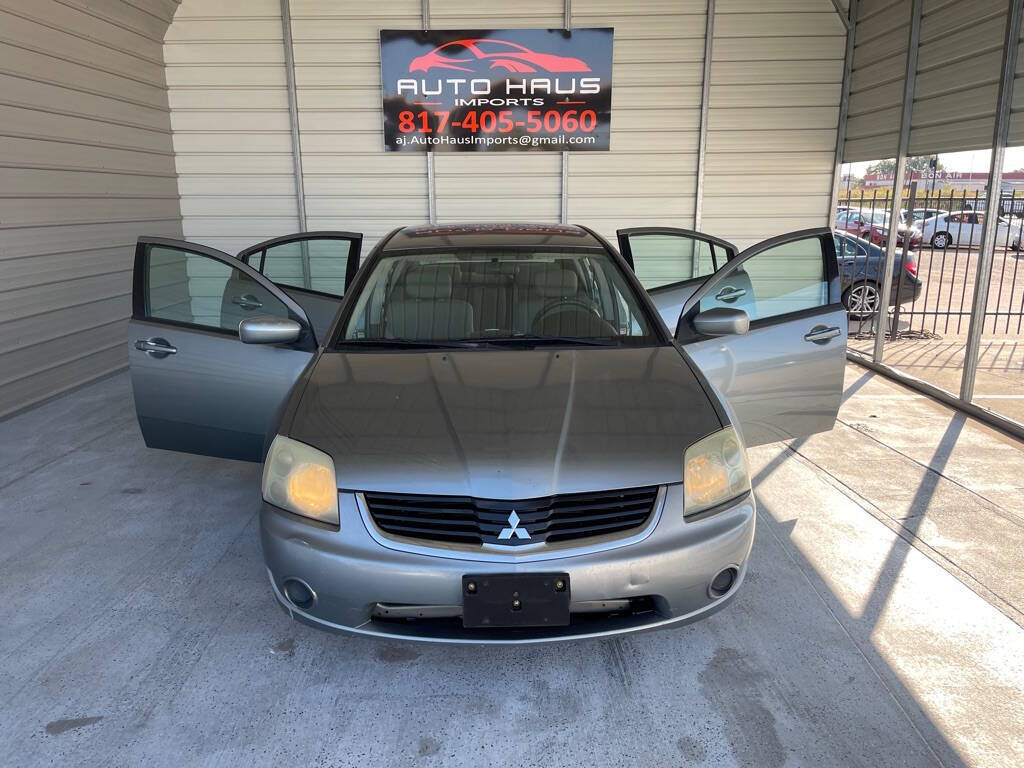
(932, 333)
(881, 622)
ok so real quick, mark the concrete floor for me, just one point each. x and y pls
(880, 624)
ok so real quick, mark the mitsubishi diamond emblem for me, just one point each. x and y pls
(513, 529)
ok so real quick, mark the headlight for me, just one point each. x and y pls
(714, 471)
(299, 478)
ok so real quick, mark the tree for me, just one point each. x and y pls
(917, 163)
(882, 166)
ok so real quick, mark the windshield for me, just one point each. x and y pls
(490, 297)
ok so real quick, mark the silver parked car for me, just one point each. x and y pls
(492, 433)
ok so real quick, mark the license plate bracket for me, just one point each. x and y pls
(515, 600)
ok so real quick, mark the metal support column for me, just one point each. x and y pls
(849, 18)
(995, 181)
(882, 316)
(431, 186)
(564, 214)
(702, 140)
(844, 106)
(293, 111)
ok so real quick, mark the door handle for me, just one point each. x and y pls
(156, 347)
(248, 301)
(820, 334)
(730, 294)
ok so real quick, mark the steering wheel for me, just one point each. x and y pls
(567, 305)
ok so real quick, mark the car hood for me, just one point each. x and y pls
(504, 424)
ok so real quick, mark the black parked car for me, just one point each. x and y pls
(860, 266)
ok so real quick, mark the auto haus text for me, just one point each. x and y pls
(515, 93)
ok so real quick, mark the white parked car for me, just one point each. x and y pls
(919, 214)
(965, 228)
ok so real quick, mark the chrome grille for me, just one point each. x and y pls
(465, 520)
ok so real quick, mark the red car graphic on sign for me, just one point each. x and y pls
(471, 54)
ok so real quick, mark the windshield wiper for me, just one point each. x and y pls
(533, 339)
(410, 343)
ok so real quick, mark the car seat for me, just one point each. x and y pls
(424, 307)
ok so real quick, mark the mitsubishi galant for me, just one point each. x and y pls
(493, 433)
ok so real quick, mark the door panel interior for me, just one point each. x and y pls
(197, 387)
(669, 300)
(672, 263)
(314, 268)
(783, 378)
(320, 309)
(243, 298)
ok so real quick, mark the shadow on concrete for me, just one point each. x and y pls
(888, 576)
(183, 648)
(912, 522)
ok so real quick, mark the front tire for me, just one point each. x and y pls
(941, 240)
(862, 300)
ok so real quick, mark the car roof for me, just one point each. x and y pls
(491, 234)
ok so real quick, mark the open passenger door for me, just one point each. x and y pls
(672, 263)
(768, 330)
(198, 387)
(314, 268)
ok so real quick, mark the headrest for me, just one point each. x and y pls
(428, 282)
(472, 277)
(553, 282)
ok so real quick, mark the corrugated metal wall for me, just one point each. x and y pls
(86, 164)
(350, 183)
(1017, 105)
(955, 85)
(88, 160)
(649, 177)
(776, 77)
(498, 185)
(776, 81)
(877, 80)
(229, 113)
(958, 65)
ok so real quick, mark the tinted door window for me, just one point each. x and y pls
(314, 265)
(778, 281)
(189, 288)
(844, 247)
(664, 259)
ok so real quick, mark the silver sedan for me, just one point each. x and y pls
(493, 433)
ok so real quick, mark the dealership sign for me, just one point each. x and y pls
(496, 90)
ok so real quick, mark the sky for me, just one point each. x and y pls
(977, 160)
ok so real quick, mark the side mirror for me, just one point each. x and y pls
(722, 321)
(268, 330)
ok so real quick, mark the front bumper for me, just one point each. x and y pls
(354, 572)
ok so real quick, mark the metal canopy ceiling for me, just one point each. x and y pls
(953, 85)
